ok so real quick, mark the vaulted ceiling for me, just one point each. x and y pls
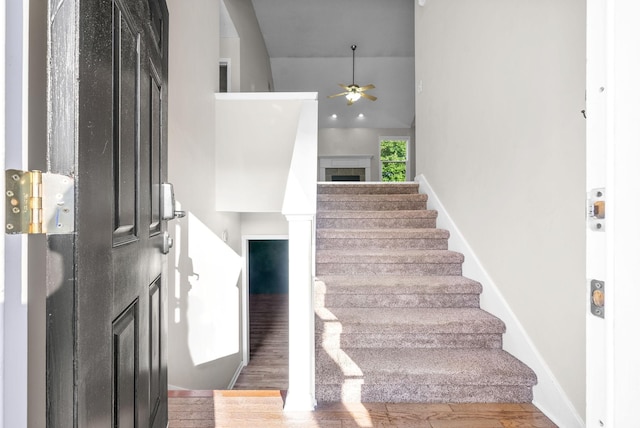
(309, 45)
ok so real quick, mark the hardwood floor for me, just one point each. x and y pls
(263, 409)
(258, 397)
(269, 344)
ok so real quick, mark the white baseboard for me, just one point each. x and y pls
(236, 375)
(548, 395)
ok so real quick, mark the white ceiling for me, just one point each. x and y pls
(309, 45)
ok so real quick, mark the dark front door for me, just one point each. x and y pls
(106, 284)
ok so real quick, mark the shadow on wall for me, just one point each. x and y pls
(204, 308)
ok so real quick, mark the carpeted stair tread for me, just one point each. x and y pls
(371, 205)
(392, 202)
(434, 366)
(366, 188)
(415, 320)
(422, 238)
(381, 214)
(423, 375)
(354, 219)
(388, 257)
(393, 291)
(375, 197)
(401, 233)
(389, 284)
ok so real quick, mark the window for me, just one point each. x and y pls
(393, 158)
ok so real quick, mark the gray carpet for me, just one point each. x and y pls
(395, 319)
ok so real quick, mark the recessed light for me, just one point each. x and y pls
(361, 115)
(334, 116)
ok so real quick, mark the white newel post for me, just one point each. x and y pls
(301, 393)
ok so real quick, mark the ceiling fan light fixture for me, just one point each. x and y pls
(354, 92)
(353, 96)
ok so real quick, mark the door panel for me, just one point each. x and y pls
(125, 368)
(155, 144)
(106, 298)
(155, 347)
(126, 81)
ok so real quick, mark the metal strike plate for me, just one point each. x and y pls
(39, 202)
(596, 216)
(597, 298)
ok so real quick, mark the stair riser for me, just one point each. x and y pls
(379, 243)
(400, 300)
(375, 223)
(352, 392)
(370, 205)
(430, 341)
(389, 269)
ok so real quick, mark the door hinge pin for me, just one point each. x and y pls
(35, 203)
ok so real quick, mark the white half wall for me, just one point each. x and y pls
(500, 137)
(255, 136)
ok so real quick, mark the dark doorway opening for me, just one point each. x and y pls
(268, 284)
(269, 266)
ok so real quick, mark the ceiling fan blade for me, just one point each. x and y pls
(367, 87)
(338, 95)
(345, 87)
(369, 97)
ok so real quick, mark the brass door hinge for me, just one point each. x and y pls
(39, 202)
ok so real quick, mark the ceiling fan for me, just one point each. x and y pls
(353, 92)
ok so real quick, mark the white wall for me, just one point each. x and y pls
(255, 67)
(255, 137)
(500, 137)
(230, 48)
(362, 141)
(393, 109)
(204, 299)
(264, 224)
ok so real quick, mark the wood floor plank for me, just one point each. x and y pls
(264, 409)
(268, 366)
(258, 397)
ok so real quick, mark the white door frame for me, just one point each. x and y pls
(13, 307)
(613, 154)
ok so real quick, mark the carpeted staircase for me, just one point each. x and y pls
(395, 319)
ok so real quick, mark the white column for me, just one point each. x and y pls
(301, 393)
